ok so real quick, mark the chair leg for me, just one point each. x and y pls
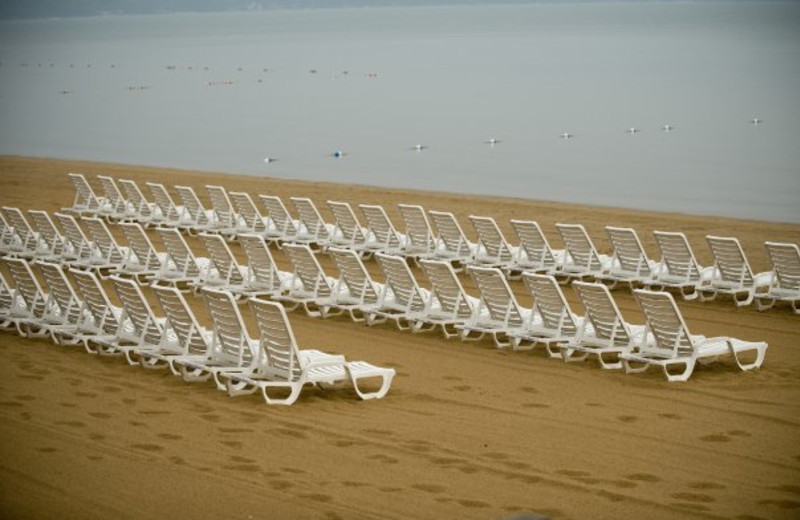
(630, 367)
(761, 351)
(609, 365)
(236, 386)
(290, 399)
(361, 370)
(570, 354)
(683, 376)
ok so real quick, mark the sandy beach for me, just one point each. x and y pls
(466, 431)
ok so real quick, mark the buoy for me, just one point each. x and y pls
(268, 160)
(566, 135)
(493, 141)
(419, 147)
(667, 128)
(338, 153)
(632, 130)
(755, 121)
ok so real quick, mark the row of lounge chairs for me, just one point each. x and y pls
(234, 214)
(82, 313)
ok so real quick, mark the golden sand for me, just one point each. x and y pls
(467, 431)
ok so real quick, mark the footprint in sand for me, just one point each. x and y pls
(129, 401)
(738, 433)
(783, 504)
(462, 388)
(177, 460)
(383, 458)
(89, 395)
(694, 497)
(137, 423)
(154, 412)
(715, 437)
(643, 477)
(247, 468)
(100, 415)
(670, 416)
(96, 437)
(354, 484)
(593, 404)
(74, 424)
(94, 457)
(318, 497)
(705, 485)
(288, 432)
(535, 405)
(232, 444)
(627, 418)
(528, 390)
(608, 495)
(170, 436)
(390, 489)
(380, 433)
(429, 488)
(473, 504)
(148, 447)
(46, 449)
(235, 430)
(12, 404)
(65, 405)
(280, 485)
(210, 417)
(452, 378)
(342, 443)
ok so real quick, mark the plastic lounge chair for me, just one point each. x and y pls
(553, 322)
(355, 291)
(347, 231)
(182, 339)
(50, 241)
(603, 332)
(142, 261)
(182, 266)
(99, 317)
(9, 241)
(451, 242)
(116, 206)
(402, 300)
(77, 248)
(449, 305)
(263, 276)
(282, 366)
(139, 329)
(5, 304)
(310, 288)
(225, 221)
(26, 241)
(581, 259)
(493, 249)
(106, 255)
(629, 262)
(420, 242)
(313, 229)
(284, 228)
(225, 272)
(169, 214)
(63, 307)
(28, 300)
(785, 279)
(141, 211)
(680, 268)
(673, 345)
(248, 218)
(198, 217)
(383, 237)
(497, 314)
(732, 273)
(534, 254)
(86, 202)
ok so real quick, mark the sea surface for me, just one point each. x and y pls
(226, 92)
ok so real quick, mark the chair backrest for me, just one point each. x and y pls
(147, 329)
(85, 197)
(192, 205)
(786, 264)
(677, 254)
(96, 301)
(665, 322)
(140, 245)
(534, 243)
(222, 258)
(250, 219)
(603, 313)
(26, 285)
(730, 262)
(60, 292)
(405, 290)
(102, 240)
(74, 235)
(5, 295)
(179, 253)
(279, 215)
(496, 296)
(114, 199)
(136, 198)
(550, 304)
(491, 239)
(310, 218)
(347, 227)
(628, 251)
(446, 288)
(579, 246)
(306, 268)
(221, 205)
(277, 347)
(181, 320)
(354, 275)
(419, 237)
(262, 271)
(231, 341)
(47, 231)
(164, 201)
(21, 227)
(450, 234)
(381, 227)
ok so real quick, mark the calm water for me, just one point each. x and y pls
(222, 92)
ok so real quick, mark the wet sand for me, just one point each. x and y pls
(467, 431)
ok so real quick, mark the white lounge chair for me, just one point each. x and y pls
(116, 206)
(27, 240)
(182, 267)
(785, 280)
(629, 262)
(77, 247)
(603, 332)
(452, 244)
(50, 243)
(139, 329)
(63, 307)
(224, 272)
(263, 277)
(5, 304)
(9, 241)
(28, 300)
(402, 300)
(680, 268)
(347, 231)
(86, 202)
(497, 313)
(248, 218)
(197, 216)
(449, 305)
(99, 317)
(142, 261)
(106, 254)
(284, 228)
(673, 345)
(493, 249)
(383, 237)
(420, 242)
(310, 288)
(581, 259)
(535, 254)
(171, 214)
(140, 209)
(313, 229)
(732, 274)
(282, 366)
(355, 291)
(225, 221)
